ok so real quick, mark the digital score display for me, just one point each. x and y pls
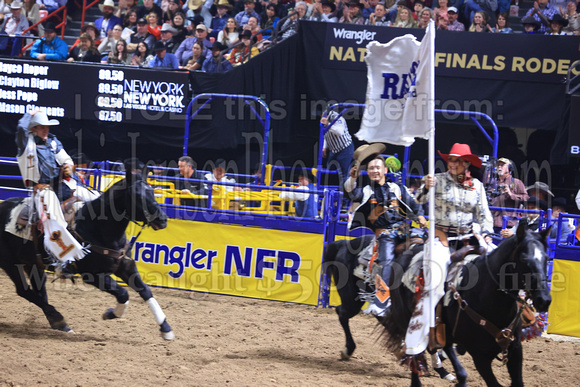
(95, 92)
(574, 133)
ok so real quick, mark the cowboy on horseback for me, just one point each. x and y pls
(41, 158)
(461, 216)
(380, 210)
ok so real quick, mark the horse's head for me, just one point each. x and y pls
(141, 204)
(530, 262)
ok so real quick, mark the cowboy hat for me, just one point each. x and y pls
(167, 27)
(463, 151)
(538, 203)
(107, 3)
(16, 5)
(329, 4)
(365, 153)
(41, 118)
(159, 46)
(194, 5)
(540, 186)
(531, 20)
(224, 3)
(355, 3)
(85, 27)
(557, 18)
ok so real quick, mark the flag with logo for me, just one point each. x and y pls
(400, 90)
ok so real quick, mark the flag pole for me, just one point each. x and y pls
(431, 118)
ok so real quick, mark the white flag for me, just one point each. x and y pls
(400, 90)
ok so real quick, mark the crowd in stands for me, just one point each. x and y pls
(216, 35)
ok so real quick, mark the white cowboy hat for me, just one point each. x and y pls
(107, 3)
(168, 27)
(41, 118)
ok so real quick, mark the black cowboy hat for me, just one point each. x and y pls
(329, 4)
(539, 203)
(49, 27)
(557, 18)
(531, 20)
(133, 163)
(218, 46)
(159, 46)
(355, 3)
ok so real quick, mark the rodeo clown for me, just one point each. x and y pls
(41, 158)
(385, 207)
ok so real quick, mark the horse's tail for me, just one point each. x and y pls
(403, 302)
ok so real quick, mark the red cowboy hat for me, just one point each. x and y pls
(463, 151)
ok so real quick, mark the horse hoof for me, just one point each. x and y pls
(444, 374)
(109, 314)
(168, 335)
(344, 354)
(68, 330)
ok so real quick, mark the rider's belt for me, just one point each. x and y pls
(455, 230)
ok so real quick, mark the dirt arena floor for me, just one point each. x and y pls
(220, 341)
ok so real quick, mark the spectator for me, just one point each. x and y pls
(187, 171)
(200, 9)
(142, 35)
(404, 19)
(49, 47)
(571, 14)
(338, 148)
(488, 7)
(242, 52)
(249, 10)
(110, 42)
(369, 8)
(183, 52)
(130, 20)
(441, 11)
(559, 206)
(229, 35)
(270, 21)
(418, 7)
(353, 14)
(52, 5)
(216, 63)
(557, 25)
(532, 219)
(147, 7)
(167, 33)
(14, 24)
(452, 23)
(178, 23)
(394, 10)
(379, 16)
(530, 25)
(426, 16)
(153, 26)
(479, 23)
(197, 59)
(85, 51)
(540, 190)
(543, 13)
(163, 59)
(119, 55)
(326, 14)
(173, 6)
(511, 193)
(290, 26)
(125, 6)
(503, 24)
(218, 23)
(32, 12)
(106, 23)
(253, 26)
(141, 57)
(306, 203)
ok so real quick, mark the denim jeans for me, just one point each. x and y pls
(341, 160)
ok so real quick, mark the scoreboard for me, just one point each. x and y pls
(574, 133)
(94, 92)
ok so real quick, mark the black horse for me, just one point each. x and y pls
(488, 289)
(340, 260)
(100, 224)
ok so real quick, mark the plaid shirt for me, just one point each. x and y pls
(548, 12)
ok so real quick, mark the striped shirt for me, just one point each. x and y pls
(337, 137)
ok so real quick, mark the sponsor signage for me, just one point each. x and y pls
(113, 94)
(512, 57)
